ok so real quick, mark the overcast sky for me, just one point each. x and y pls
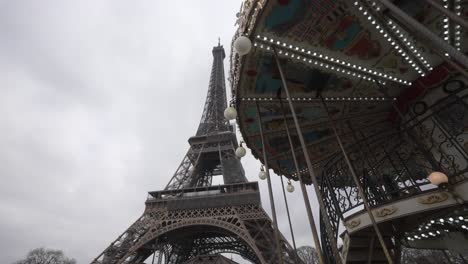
(98, 101)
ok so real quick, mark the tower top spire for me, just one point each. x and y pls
(219, 41)
(212, 120)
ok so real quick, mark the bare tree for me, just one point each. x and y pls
(308, 254)
(46, 256)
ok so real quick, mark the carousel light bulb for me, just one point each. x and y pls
(290, 187)
(230, 113)
(242, 45)
(240, 151)
(262, 174)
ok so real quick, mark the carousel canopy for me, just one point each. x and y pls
(352, 56)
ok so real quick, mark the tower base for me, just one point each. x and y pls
(185, 223)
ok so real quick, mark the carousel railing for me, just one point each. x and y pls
(393, 165)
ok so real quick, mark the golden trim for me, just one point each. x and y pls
(434, 198)
(385, 211)
(353, 223)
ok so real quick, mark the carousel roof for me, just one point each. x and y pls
(351, 53)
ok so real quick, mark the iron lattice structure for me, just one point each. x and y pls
(211, 151)
(190, 217)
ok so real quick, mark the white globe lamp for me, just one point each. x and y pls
(262, 174)
(290, 187)
(230, 113)
(242, 45)
(240, 151)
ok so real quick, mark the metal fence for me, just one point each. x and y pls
(395, 164)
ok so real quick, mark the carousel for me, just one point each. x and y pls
(366, 102)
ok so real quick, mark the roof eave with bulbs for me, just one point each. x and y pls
(317, 58)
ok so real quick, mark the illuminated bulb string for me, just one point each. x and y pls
(325, 98)
(301, 171)
(457, 30)
(451, 29)
(438, 227)
(324, 61)
(446, 26)
(392, 40)
(408, 43)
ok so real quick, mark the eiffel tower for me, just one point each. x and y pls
(191, 217)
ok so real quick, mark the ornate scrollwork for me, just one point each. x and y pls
(382, 212)
(353, 223)
(454, 86)
(420, 108)
(393, 164)
(434, 198)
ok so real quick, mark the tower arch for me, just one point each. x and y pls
(200, 235)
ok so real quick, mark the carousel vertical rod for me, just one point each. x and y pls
(310, 168)
(289, 220)
(305, 196)
(160, 257)
(448, 13)
(270, 191)
(358, 185)
(154, 251)
(371, 250)
(439, 43)
(154, 255)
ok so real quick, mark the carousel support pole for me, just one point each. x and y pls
(448, 13)
(305, 196)
(426, 33)
(154, 255)
(160, 257)
(154, 250)
(289, 221)
(358, 185)
(310, 168)
(371, 250)
(270, 191)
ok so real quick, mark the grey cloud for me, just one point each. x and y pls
(98, 101)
